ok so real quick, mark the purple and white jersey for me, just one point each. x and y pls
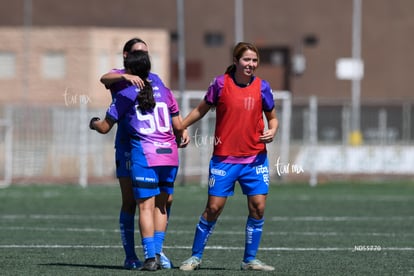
(122, 136)
(152, 129)
(118, 86)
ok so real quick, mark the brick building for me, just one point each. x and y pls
(92, 32)
(279, 28)
(62, 65)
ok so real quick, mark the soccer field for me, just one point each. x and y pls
(331, 229)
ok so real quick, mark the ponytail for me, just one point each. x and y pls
(145, 98)
(231, 69)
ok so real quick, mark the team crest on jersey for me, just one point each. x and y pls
(249, 103)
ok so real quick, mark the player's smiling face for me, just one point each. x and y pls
(247, 64)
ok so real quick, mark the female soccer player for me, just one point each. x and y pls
(151, 114)
(116, 80)
(240, 98)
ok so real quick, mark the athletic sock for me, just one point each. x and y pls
(149, 247)
(158, 241)
(204, 230)
(126, 227)
(254, 229)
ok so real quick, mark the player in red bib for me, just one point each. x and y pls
(240, 99)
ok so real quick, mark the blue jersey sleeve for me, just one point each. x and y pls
(267, 97)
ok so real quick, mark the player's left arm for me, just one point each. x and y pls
(270, 113)
(113, 77)
(273, 125)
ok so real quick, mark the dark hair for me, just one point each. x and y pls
(238, 52)
(138, 63)
(128, 45)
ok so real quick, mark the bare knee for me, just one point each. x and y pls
(212, 213)
(257, 213)
(214, 207)
(257, 206)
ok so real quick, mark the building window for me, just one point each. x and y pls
(212, 39)
(54, 65)
(7, 65)
(194, 70)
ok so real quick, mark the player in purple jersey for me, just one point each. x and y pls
(116, 80)
(152, 114)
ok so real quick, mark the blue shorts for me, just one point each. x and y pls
(151, 181)
(253, 177)
(123, 160)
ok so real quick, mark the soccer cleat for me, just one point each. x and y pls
(165, 262)
(150, 264)
(256, 265)
(192, 263)
(132, 264)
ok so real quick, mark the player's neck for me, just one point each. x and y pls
(242, 80)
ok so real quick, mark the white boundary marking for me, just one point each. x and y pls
(194, 219)
(217, 232)
(222, 218)
(58, 246)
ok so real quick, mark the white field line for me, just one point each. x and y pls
(222, 218)
(303, 197)
(190, 232)
(58, 246)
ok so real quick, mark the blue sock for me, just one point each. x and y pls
(203, 231)
(254, 229)
(149, 247)
(126, 227)
(158, 241)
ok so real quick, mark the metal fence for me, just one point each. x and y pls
(53, 144)
(41, 144)
(385, 123)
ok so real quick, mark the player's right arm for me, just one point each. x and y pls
(116, 76)
(196, 114)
